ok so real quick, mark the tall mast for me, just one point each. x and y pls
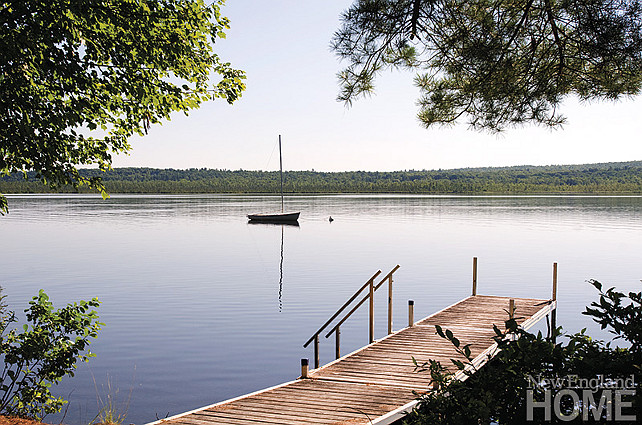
(281, 168)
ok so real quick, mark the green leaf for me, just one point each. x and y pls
(596, 284)
(467, 351)
(440, 331)
(497, 331)
(460, 365)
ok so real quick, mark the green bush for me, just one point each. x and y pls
(43, 353)
(499, 391)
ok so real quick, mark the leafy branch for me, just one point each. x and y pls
(43, 353)
(499, 63)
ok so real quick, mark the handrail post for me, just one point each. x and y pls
(389, 304)
(554, 281)
(554, 312)
(337, 343)
(316, 352)
(411, 313)
(371, 311)
(474, 276)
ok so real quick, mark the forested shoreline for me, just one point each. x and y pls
(621, 177)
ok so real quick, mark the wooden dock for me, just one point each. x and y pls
(375, 384)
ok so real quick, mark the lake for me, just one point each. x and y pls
(199, 306)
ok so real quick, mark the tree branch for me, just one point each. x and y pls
(558, 41)
(414, 19)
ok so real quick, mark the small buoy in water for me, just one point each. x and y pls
(331, 219)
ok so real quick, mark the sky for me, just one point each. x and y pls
(283, 45)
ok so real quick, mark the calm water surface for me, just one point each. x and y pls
(195, 307)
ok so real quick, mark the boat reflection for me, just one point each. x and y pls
(274, 223)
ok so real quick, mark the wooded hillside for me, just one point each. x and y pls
(623, 177)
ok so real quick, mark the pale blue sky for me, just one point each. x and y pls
(283, 45)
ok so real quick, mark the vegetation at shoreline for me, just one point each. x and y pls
(503, 391)
(40, 353)
(621, 177)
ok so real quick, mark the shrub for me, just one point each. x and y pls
(499, 391)
(43, 353)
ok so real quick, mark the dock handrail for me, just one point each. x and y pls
(336, 329)
(377, 286)
(347, 303)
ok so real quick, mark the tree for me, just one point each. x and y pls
(79, 77)
(500, 63)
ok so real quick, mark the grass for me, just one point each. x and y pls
(111, 412)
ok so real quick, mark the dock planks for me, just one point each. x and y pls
(376, 383)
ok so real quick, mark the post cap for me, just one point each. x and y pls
(411, 302)
(305, 362)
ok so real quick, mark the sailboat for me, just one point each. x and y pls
(282, 217)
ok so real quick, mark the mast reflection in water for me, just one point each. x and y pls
(292, 224)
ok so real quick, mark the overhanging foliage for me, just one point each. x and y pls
(498, 63)
(79, 77)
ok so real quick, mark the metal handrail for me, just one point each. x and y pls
(388, 276)
(336, 329)
(347, 303)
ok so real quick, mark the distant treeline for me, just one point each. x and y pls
(621, 177)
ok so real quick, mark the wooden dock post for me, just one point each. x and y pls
(371, 327)
(554, 299)
(474, 276)
(411, 313)
(554, 282)
(389, 304)
(316, 352)
(304, 368)
(337, 343)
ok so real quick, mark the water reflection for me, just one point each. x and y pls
(274, 224)
(282, 225)
(281, 275)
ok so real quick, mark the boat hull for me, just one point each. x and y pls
(275, 217)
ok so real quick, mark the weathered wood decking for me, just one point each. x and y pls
(374, 384)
